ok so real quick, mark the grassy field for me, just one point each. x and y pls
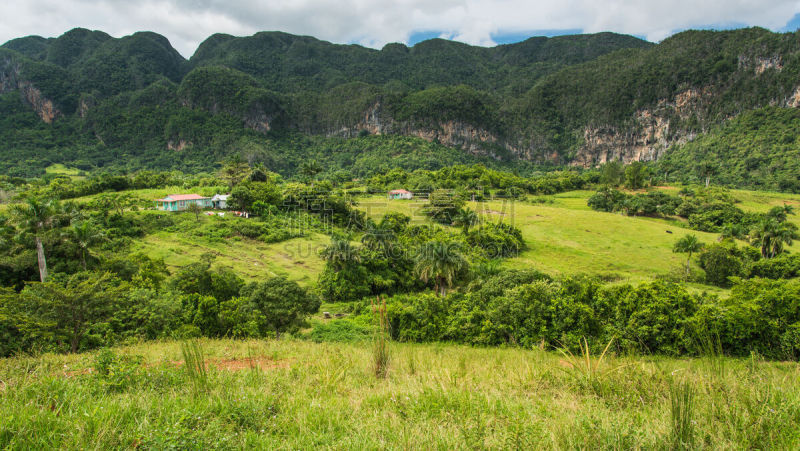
(297, 259)
(564, 236)
(60, 169)
(301, 395)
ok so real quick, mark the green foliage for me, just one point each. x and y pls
(497, 240)
(721, 262)
(756, 149)
(443, 206)
(282, 304)
(70, 314)
(784, 266)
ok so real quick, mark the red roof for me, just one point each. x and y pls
(399, 191)
(176, 197)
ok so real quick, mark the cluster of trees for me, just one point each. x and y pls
(529, 309)
(133, 299)
(479, 182)
(399, 257)
(756, 150)
(705, 209)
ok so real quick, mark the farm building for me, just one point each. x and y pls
(181, 202)
(400, 194)
(220, 201)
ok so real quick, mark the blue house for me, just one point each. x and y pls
(181, 202)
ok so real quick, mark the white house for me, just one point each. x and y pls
(220, 201)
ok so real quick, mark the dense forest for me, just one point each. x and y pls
(89, 100)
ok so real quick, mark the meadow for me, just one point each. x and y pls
(565, 237)
(289, 394)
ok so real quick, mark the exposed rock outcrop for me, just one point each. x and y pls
(11, 80)
(178, 145)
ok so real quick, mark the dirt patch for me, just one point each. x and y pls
(264, 363)
(80, 372)
(246, 363)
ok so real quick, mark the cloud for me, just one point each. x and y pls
(377, 22)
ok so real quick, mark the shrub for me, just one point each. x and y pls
(497, 240)
(721, 262)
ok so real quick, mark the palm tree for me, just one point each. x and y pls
(35, 216)
(688, 244)
(340, 253)
(771, 236)
(85, 235)
(731, 232)
(440, 262)
(465, 218)
(784, 235)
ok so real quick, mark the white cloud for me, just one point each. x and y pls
(374, 23)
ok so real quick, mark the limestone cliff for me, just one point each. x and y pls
(12, 79)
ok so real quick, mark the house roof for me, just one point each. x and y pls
(220, 197)
(399, 191)
(175, 197)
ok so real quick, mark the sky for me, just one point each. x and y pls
(374, 23)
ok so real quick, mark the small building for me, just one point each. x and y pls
(220, 201)
(181, 202)
(400, 194)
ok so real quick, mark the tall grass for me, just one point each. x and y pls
(194, 363)
(682, 410)
(380, 340)
(325, 396)
(584, 367)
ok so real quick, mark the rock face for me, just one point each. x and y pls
(11, 80)
(178, 145)
(648, 136)
(475, 140)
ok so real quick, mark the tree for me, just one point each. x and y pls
(195, 208)
(611, 173)
(85, 234)
(688, 244)
(283, 304)
(635, 174)
(721, 262)
(309, 169)
(706, 169)
(234, 171)
(36, 216)
(6, 232)
(440, 262)
(465, 218)
(771, 236)
(443, 206)
(378, 236)
(67, 310)
(340, 253)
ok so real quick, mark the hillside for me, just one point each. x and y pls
(581, 100)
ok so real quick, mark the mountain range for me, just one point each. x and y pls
(91, 100)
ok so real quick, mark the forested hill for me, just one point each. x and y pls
(88, 99)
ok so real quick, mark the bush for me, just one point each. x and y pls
(784, 266)
(497, 240)
(721, 262)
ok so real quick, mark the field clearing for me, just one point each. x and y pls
(299, 395)
(567, 237)
(297, 259)
(60, 169)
